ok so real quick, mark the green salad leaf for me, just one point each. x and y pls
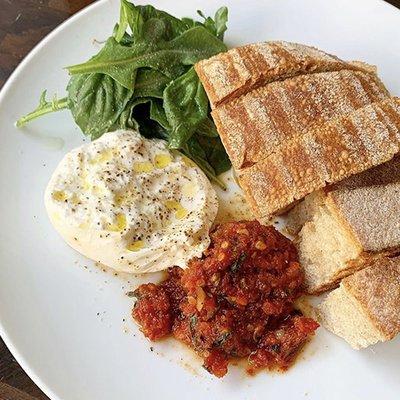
(96, 102)
(207, 128)
(193, 149)
(136, 17)
(129, 16)
(44, 107)
(126, 120)
(157, 113)
(143, 79)
(216, 154)
(186, 106)
(216, 26)
(121, 62)
(151, 83)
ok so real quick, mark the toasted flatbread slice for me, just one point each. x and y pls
(344, 226)
(365, 309)
(239, 70)
(345, 146)
(253, 125)
(370, 204)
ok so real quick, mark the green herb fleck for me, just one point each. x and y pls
(222, 339)
(193, 322)
(238, 263)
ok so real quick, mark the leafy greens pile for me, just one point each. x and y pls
(143, 78)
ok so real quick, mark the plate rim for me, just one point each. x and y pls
(24, 363)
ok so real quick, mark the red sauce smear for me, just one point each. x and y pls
(235, 302)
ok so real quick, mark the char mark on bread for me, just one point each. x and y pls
(345, 146)
(253, 125)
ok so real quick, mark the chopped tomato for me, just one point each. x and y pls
(236, 301)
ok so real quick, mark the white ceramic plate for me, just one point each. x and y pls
(68, 325)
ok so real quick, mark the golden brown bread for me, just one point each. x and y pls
(366, 307)
(328, 251)
(347, 225)
(369, 203)
(239, 70)
(294, 119)
(252, 125)
(345, 146)
(365, 200)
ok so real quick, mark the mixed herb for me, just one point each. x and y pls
(143, 78)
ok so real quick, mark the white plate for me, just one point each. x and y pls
(65, 323)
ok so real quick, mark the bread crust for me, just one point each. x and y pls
(366, 207)
(377, 290)
(231, 74)
(294, 119)
(345, 146)
(351, 267)
(253, 125)
(369, 205)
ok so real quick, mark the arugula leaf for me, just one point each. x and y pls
(126, 119)
(143, 78)
(142, 20)
(156, 30)
(175, 26)
(221, 19)
(150, 83)
(207, 128)
(216, 26)
(121, 62)
(44, 107)
(146, 115)
(96, 102)
(108, 61)
(186, 106)
(125, 39)
(149, 120)
(157, 113)
(136, 18)
(196, 152)
(129, 16)
(216, 154)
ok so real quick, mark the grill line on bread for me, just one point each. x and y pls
(294, 119)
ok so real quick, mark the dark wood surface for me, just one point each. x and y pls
(23, 23)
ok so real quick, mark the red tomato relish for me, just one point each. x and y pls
(235, 302)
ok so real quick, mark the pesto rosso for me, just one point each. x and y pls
(235, 302)
(143, 79)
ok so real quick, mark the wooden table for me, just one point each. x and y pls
(23, 23)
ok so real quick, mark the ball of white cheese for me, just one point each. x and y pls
(131, 204)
